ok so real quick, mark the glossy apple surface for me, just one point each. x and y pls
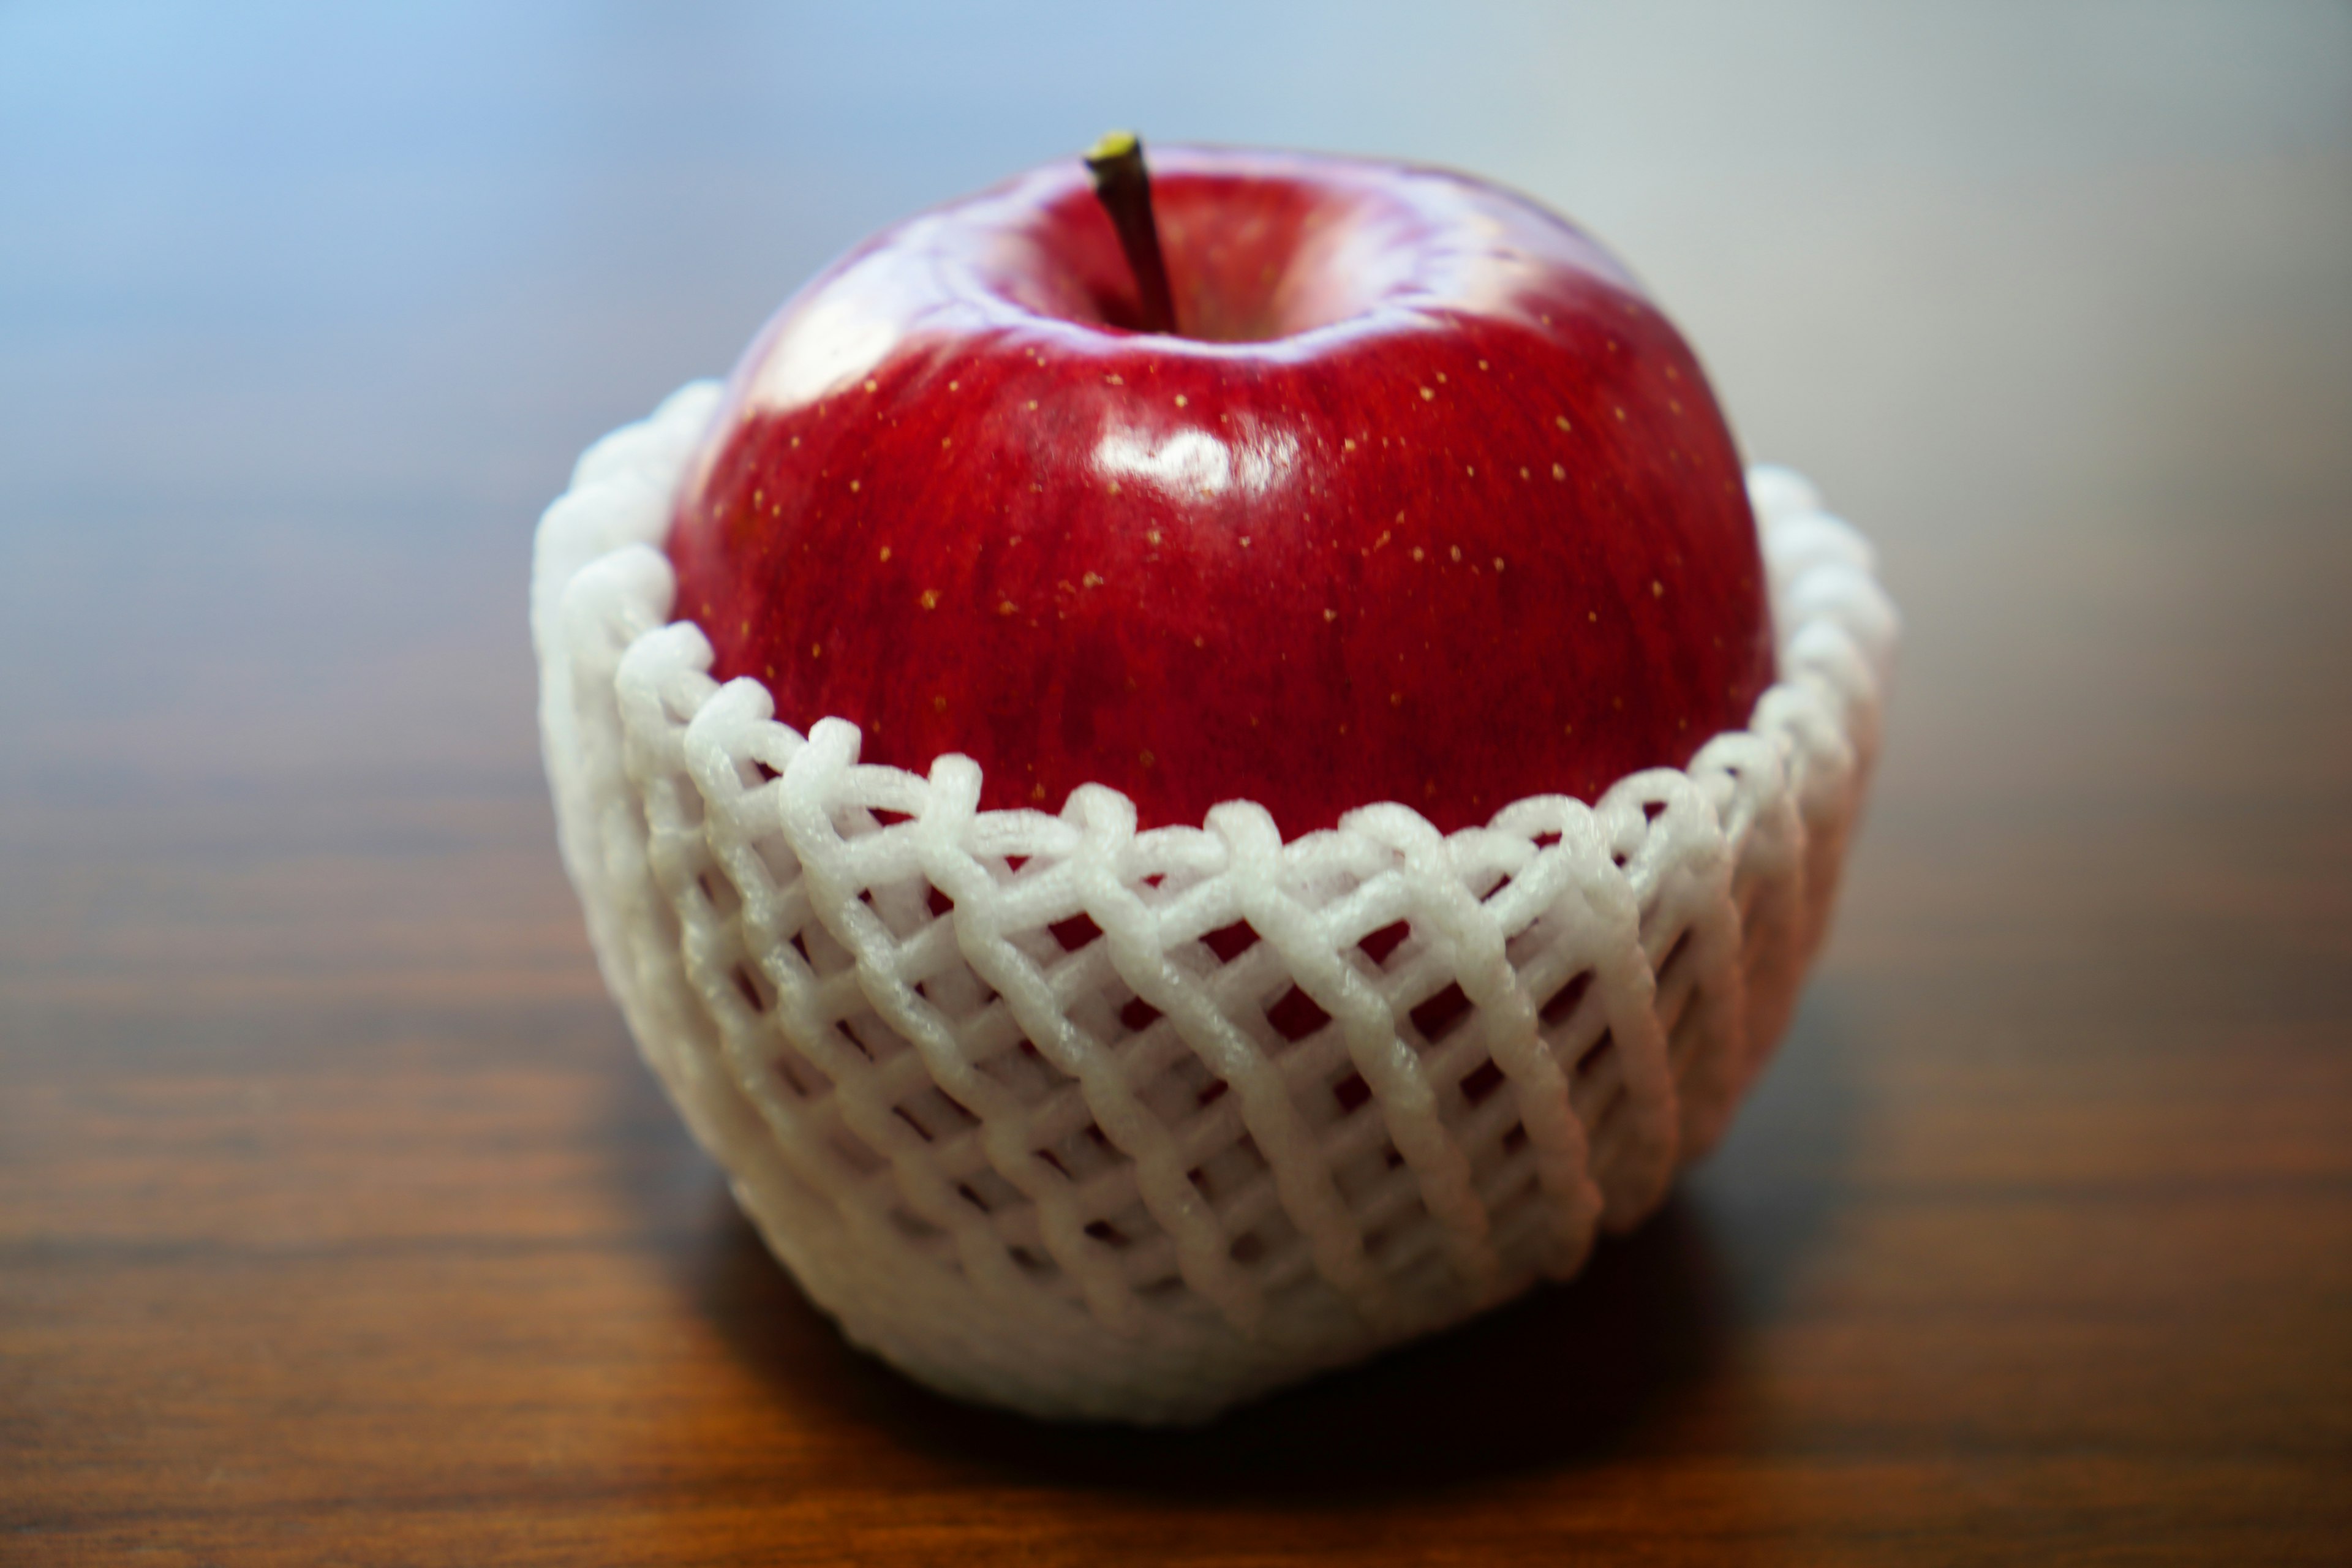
(1428, 503)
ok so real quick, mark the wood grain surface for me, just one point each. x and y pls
(339, 1222)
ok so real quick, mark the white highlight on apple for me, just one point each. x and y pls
(836, 342)
(1193, 461)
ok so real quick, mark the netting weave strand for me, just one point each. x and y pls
(1102, 1123)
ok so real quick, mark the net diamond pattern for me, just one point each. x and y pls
(1101, 1124)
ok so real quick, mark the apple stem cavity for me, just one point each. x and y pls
(1123, 185)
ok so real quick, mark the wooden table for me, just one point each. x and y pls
(339, 1222)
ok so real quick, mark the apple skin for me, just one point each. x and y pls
(1429, 504)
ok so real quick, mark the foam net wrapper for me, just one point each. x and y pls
(1103, 1167)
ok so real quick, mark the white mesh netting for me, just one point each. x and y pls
(1099, 1123)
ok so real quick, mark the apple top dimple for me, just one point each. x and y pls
(1266, 253)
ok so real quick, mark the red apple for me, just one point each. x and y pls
(1426, 503)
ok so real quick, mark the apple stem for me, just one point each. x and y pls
(1124, 187)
